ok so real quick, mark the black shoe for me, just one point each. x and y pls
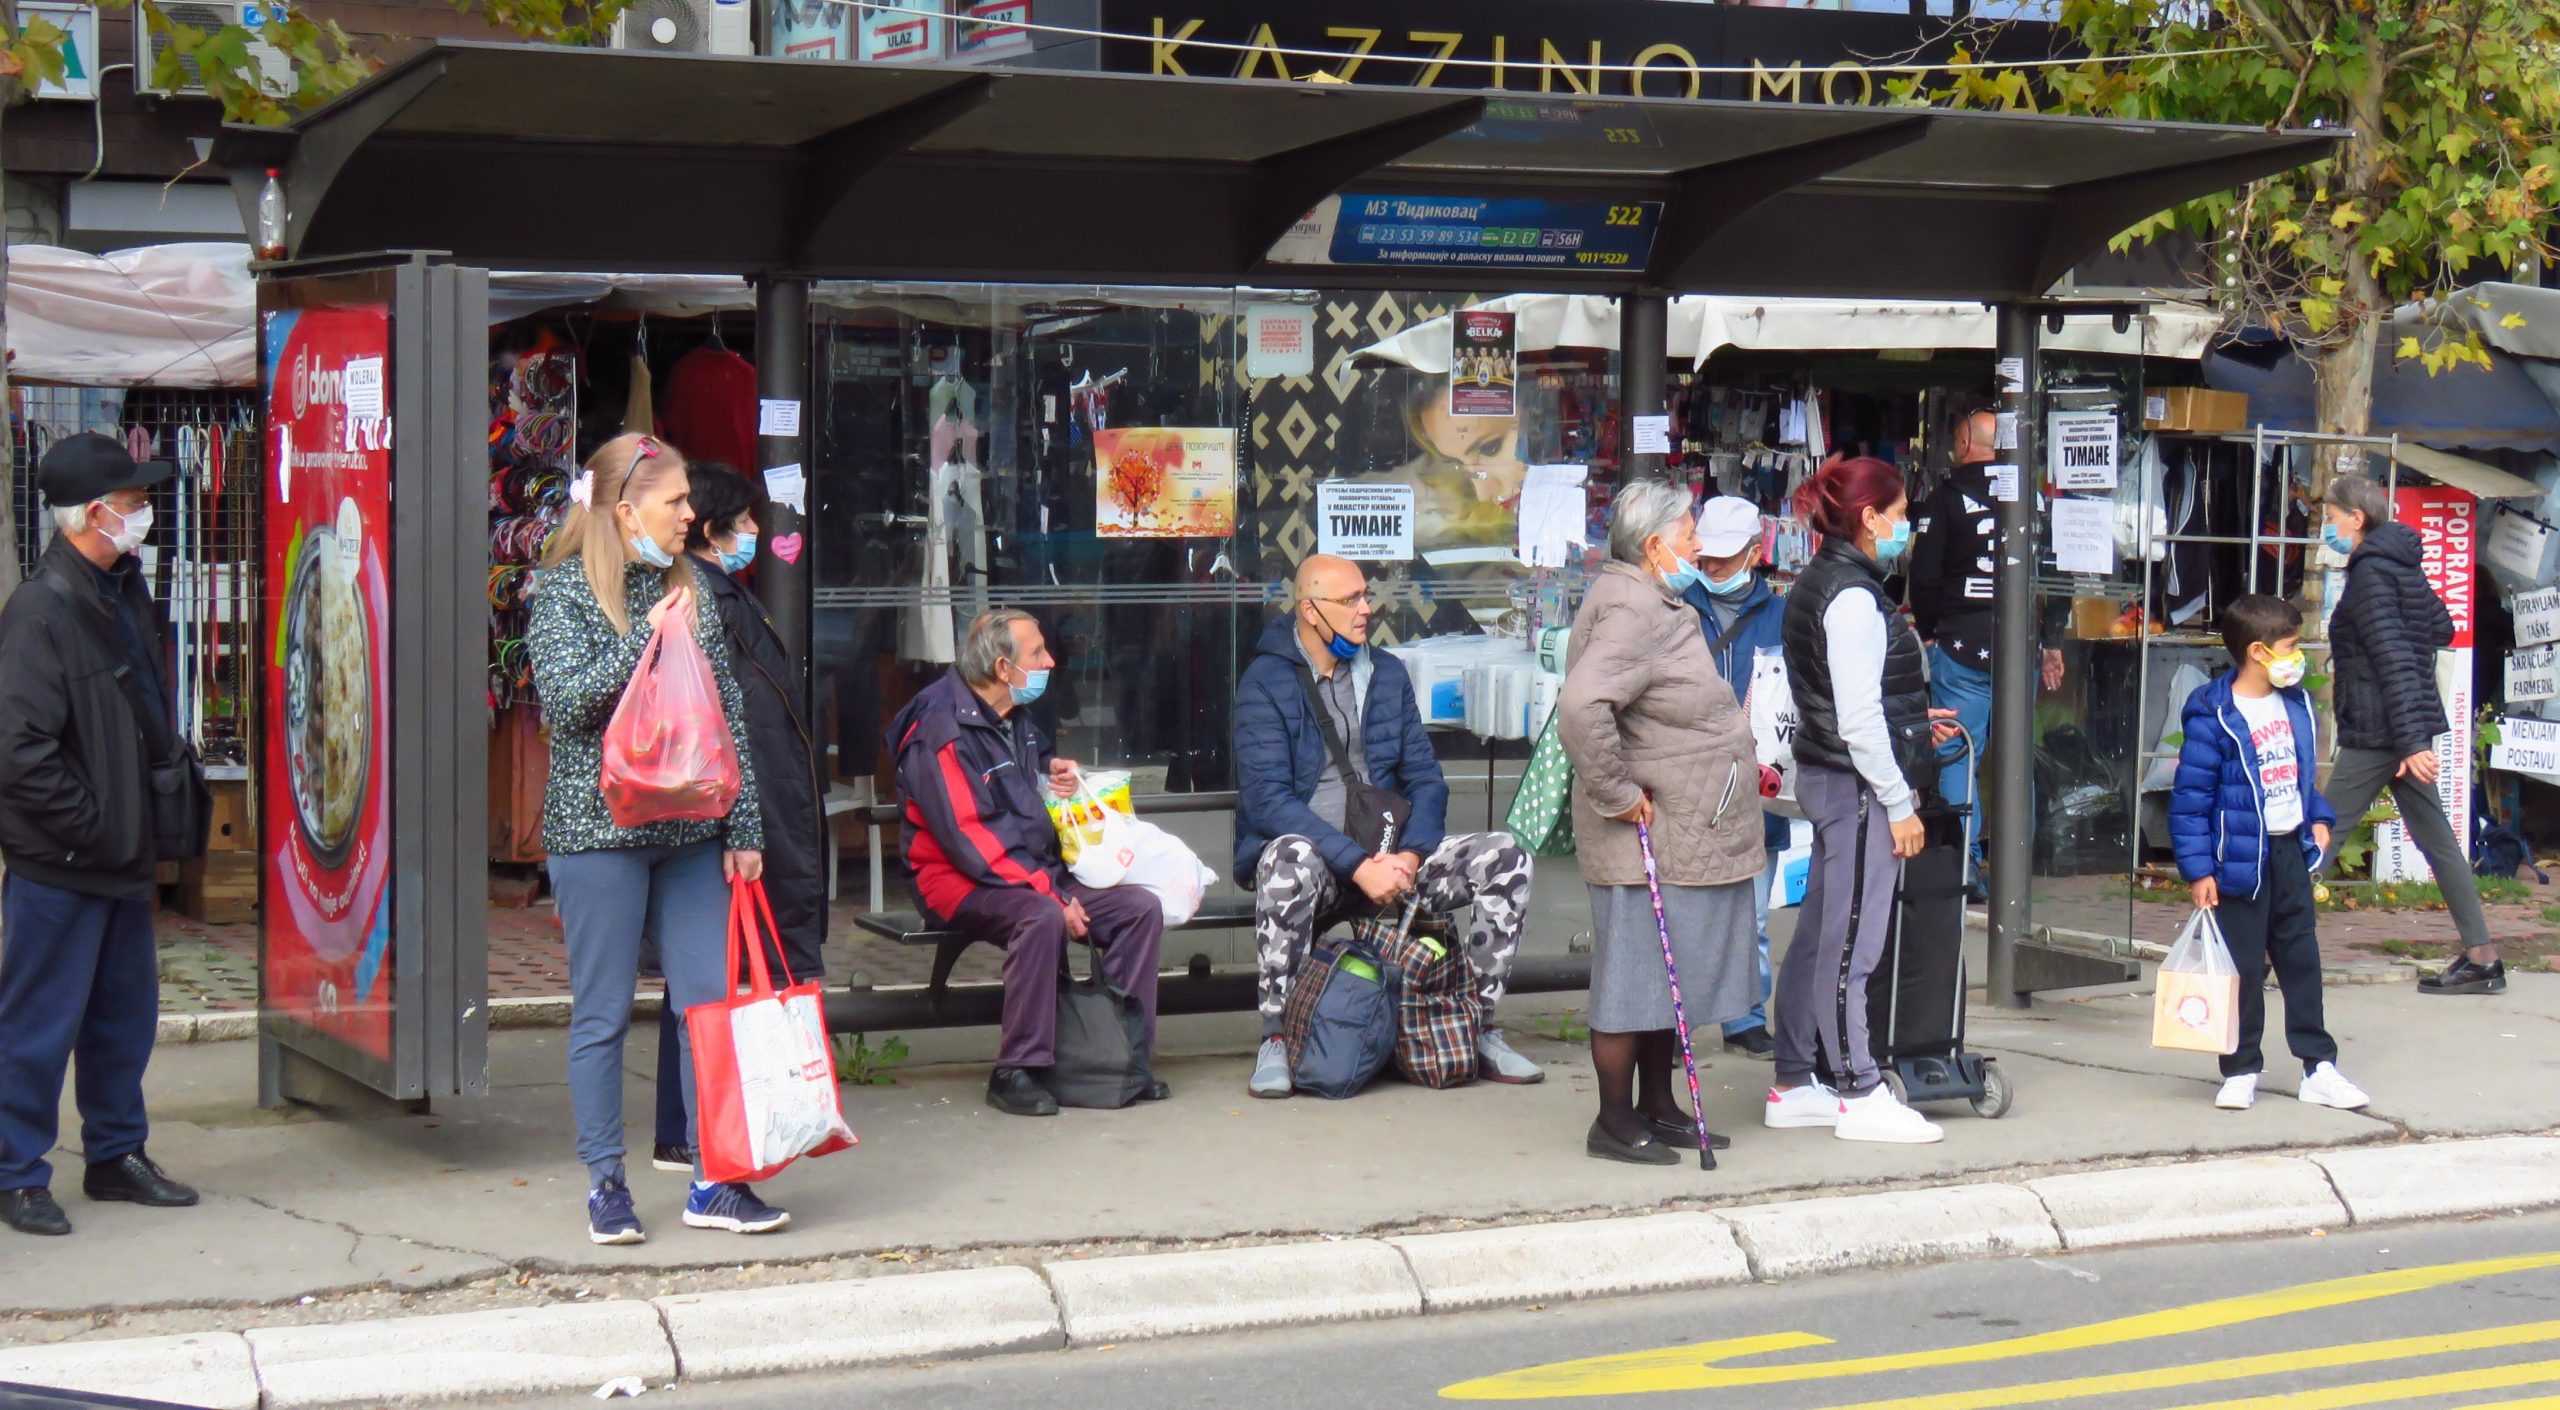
(1753, 1043)
(1156, 1091)
(1681, 1136)
(1643, 1151)
(135, 1180)
(2464, 977)
(673, 1159)
(1016, 1093)
(32, 1211)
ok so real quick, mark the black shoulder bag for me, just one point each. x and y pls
(1371, 816)
(181, 805)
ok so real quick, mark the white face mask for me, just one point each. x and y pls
(131, 529)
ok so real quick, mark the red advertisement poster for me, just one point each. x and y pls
(325, 774)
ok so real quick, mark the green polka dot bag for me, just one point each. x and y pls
(1541, 815)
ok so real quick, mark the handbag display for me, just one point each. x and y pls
(1104, 1060)
(764, 1076)
(1340, 1023)
(1541, 816)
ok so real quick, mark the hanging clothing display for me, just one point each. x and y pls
(639, 412)
(710, 410)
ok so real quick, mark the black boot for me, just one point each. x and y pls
(32, 1211)
(1016, 1093)
(135, 1179)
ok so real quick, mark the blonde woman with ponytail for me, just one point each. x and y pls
(611, 577)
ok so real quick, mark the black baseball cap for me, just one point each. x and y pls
(88, 467)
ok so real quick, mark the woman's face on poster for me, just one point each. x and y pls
(1485, 448)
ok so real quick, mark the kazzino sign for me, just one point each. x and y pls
(1609, 48)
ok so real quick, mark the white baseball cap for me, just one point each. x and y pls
(1727, 524)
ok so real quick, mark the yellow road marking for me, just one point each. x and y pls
(1698, 1366)
(2530, 1373)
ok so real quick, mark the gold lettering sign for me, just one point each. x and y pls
(1645, 60)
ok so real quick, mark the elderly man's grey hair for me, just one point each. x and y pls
(2359, 495)
(71, 519)
(1645, 509)
(988, 640)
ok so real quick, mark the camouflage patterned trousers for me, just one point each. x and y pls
(1485, 873)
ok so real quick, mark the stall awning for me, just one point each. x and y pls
(2464, 473)
(538, 157)
(1702, 325)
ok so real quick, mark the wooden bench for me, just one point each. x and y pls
(911, 928)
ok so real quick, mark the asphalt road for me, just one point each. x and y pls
(2453, 1315)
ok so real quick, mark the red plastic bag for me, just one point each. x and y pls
(764, 1079)
(668, 755)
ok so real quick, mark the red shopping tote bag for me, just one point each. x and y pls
(764, 1079)
(668, 755)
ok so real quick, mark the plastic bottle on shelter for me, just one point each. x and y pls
(271, 217)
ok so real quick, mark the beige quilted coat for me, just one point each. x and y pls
(1643, 708)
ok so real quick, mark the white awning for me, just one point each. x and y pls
(2463, 473)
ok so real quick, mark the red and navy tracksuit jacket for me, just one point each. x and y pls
(973, 786)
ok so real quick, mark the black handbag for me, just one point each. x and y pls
(181, 805)
(1103, 1058)
(1371, 816)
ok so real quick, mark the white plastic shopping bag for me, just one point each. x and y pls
(2197, 1007)
(1162, 864)
(1096, 840)
(1771, 703)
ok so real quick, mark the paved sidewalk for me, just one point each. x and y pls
(479, 1205)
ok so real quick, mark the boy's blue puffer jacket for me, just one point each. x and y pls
(2217, 821)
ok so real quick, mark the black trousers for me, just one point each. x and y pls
(2279, 927)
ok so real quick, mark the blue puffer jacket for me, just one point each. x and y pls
(2216, 819)
(1280, 754)
(1763, 615)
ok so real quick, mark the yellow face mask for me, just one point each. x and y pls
(2286, 671)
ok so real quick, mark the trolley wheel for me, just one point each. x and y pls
(1996, 1094)
(1893, 1083)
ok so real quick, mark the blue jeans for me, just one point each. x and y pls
(79, 978)
(1758, 1017)
(609, 900)
(1966, 689)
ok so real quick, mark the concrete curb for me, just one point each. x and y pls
(1085, 1302)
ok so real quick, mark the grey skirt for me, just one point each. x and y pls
(1715, 934)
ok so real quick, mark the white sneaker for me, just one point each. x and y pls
(1809, 1105)
(2327, 1086)
(2238, 1093)
(1880, 1116)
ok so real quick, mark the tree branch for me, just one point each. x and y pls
(2285, 46)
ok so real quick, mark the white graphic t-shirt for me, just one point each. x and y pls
(2279, 770)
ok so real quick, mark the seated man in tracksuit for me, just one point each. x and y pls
(1742, 616)
(1291, 844)
(985, 853)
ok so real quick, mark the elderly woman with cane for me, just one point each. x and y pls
(1666, 814)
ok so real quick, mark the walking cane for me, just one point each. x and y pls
(1679, 1011)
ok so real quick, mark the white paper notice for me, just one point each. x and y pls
(2533, 674)
(778, 418)
(2013, 374)
(1553, 510)
(2007, 438)
(364, 389)
(787, 486)
(2084, 539)
(2537, 617)
(2081, 448)
(2526, 747)
(1371, 523)
(1653, 435)
(2004, 483)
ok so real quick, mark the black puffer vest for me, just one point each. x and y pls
(1841, 567)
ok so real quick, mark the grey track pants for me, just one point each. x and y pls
(2359, 776)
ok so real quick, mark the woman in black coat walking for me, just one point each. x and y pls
(722, 541)
(2383, 641)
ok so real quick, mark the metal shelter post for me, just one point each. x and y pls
(2007, 796)
(782, 553)
(1644, 360)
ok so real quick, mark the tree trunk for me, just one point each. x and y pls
(2343, 375)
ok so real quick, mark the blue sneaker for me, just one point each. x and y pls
(731, 1207)
(610, 1217)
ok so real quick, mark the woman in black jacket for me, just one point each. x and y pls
(723, 543)
(2383, 641)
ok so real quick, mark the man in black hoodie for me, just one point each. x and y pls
(84, 722)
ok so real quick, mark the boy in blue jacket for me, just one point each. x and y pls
(2245, 793)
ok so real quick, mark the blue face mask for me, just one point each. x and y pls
(647, 551)
(1894, 545)
(2329, 535)
(1734, 586)
(1342, 647)
(1033, 686)
(1679, 578)
(737, 559)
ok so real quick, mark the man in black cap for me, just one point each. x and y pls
(84, 724)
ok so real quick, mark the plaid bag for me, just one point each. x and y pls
(1340, 1020)
(1436, 1014)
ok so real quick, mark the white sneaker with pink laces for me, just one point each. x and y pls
(1809, 1105)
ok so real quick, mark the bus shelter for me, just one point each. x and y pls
(405, 192)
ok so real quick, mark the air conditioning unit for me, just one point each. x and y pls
(686, 27)
(275, 71)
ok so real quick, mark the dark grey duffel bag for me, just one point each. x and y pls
(1103, 1054)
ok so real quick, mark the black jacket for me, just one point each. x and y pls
(2383, 641)
(1842, 567)
(787, 778)
(75, 768)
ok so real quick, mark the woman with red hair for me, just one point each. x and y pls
(1863, 753)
